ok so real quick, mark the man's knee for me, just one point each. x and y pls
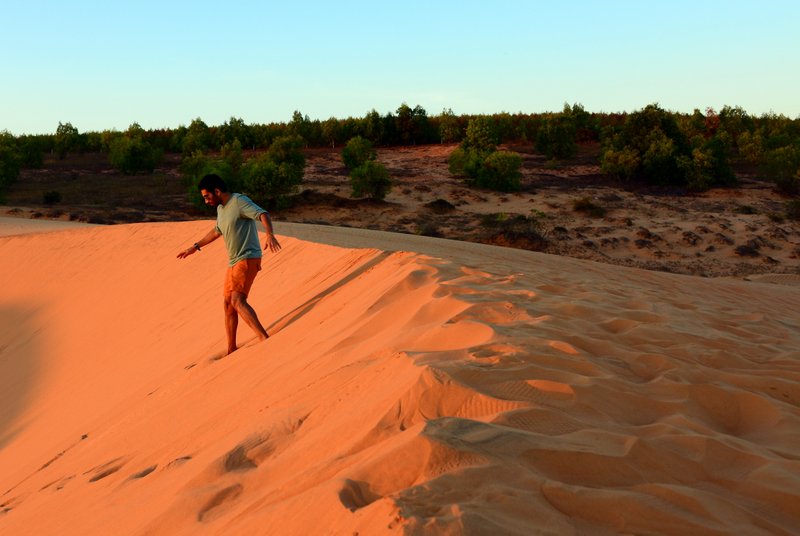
(238, 300)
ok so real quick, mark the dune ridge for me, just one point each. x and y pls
(483, 390)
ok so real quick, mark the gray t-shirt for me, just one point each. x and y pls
(236, 222)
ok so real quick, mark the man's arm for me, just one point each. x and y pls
(210, 237)
(271, 243)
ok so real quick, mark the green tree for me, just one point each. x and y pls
(10, 162)
(236, 129)
(621, 163)
(357, 151)
(131, 154)
(68, 139)
(783, 168)
(411, 123)
(500, 171)
(478, 159)
(480, 134)
(373, 128)
(370, 179)
(197, 138)
(272, 176)
(449, 129)
(300, 125)
(31, 151)
(331, 131)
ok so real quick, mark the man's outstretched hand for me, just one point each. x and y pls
(272, 244)
(186, 252)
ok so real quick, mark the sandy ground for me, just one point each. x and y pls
(410, 385)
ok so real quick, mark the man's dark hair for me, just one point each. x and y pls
(212, 182)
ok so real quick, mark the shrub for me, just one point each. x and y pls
(783, 168)
(288, 150)
(589, 207)
(660, 160)
(621, 163)
(357, 151)
(500, 171)
(268, 182)
(272, 176)
(464, 162)
(516, 230)
(478, 160)
(370, 179)
(132, 155)
(650, 139)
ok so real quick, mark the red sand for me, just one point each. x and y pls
(477, 390)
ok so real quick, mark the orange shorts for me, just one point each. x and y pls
(239, 277)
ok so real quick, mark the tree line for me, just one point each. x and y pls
(695, 151)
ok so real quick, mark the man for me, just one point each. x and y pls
(236, 223)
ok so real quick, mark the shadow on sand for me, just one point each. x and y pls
(19, 364)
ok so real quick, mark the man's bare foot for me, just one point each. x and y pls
(231, 350)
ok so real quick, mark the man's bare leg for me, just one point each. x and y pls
(248, 314)
(231, 324)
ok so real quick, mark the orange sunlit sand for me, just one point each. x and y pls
(459, 389)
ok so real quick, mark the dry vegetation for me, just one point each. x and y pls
(566, 208)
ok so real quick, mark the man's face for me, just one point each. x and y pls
(211, 199)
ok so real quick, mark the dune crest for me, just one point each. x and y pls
(487, 391)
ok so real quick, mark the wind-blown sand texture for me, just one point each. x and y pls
(462, 389)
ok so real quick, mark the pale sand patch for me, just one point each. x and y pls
(18, 226)
(458, 389)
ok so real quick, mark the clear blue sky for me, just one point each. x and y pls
(106, 64)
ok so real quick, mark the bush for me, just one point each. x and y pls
(132, 155)
(783, 168)
(518, 230)
(478, 160)
(268, 183)
(500, 171)
(651, 140)
(268, 179)
(621, 163)
(357, 152)
(288, 150)
(587, 205)
(370, 179)
(464, 162)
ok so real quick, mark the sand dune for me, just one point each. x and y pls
(459, 389)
